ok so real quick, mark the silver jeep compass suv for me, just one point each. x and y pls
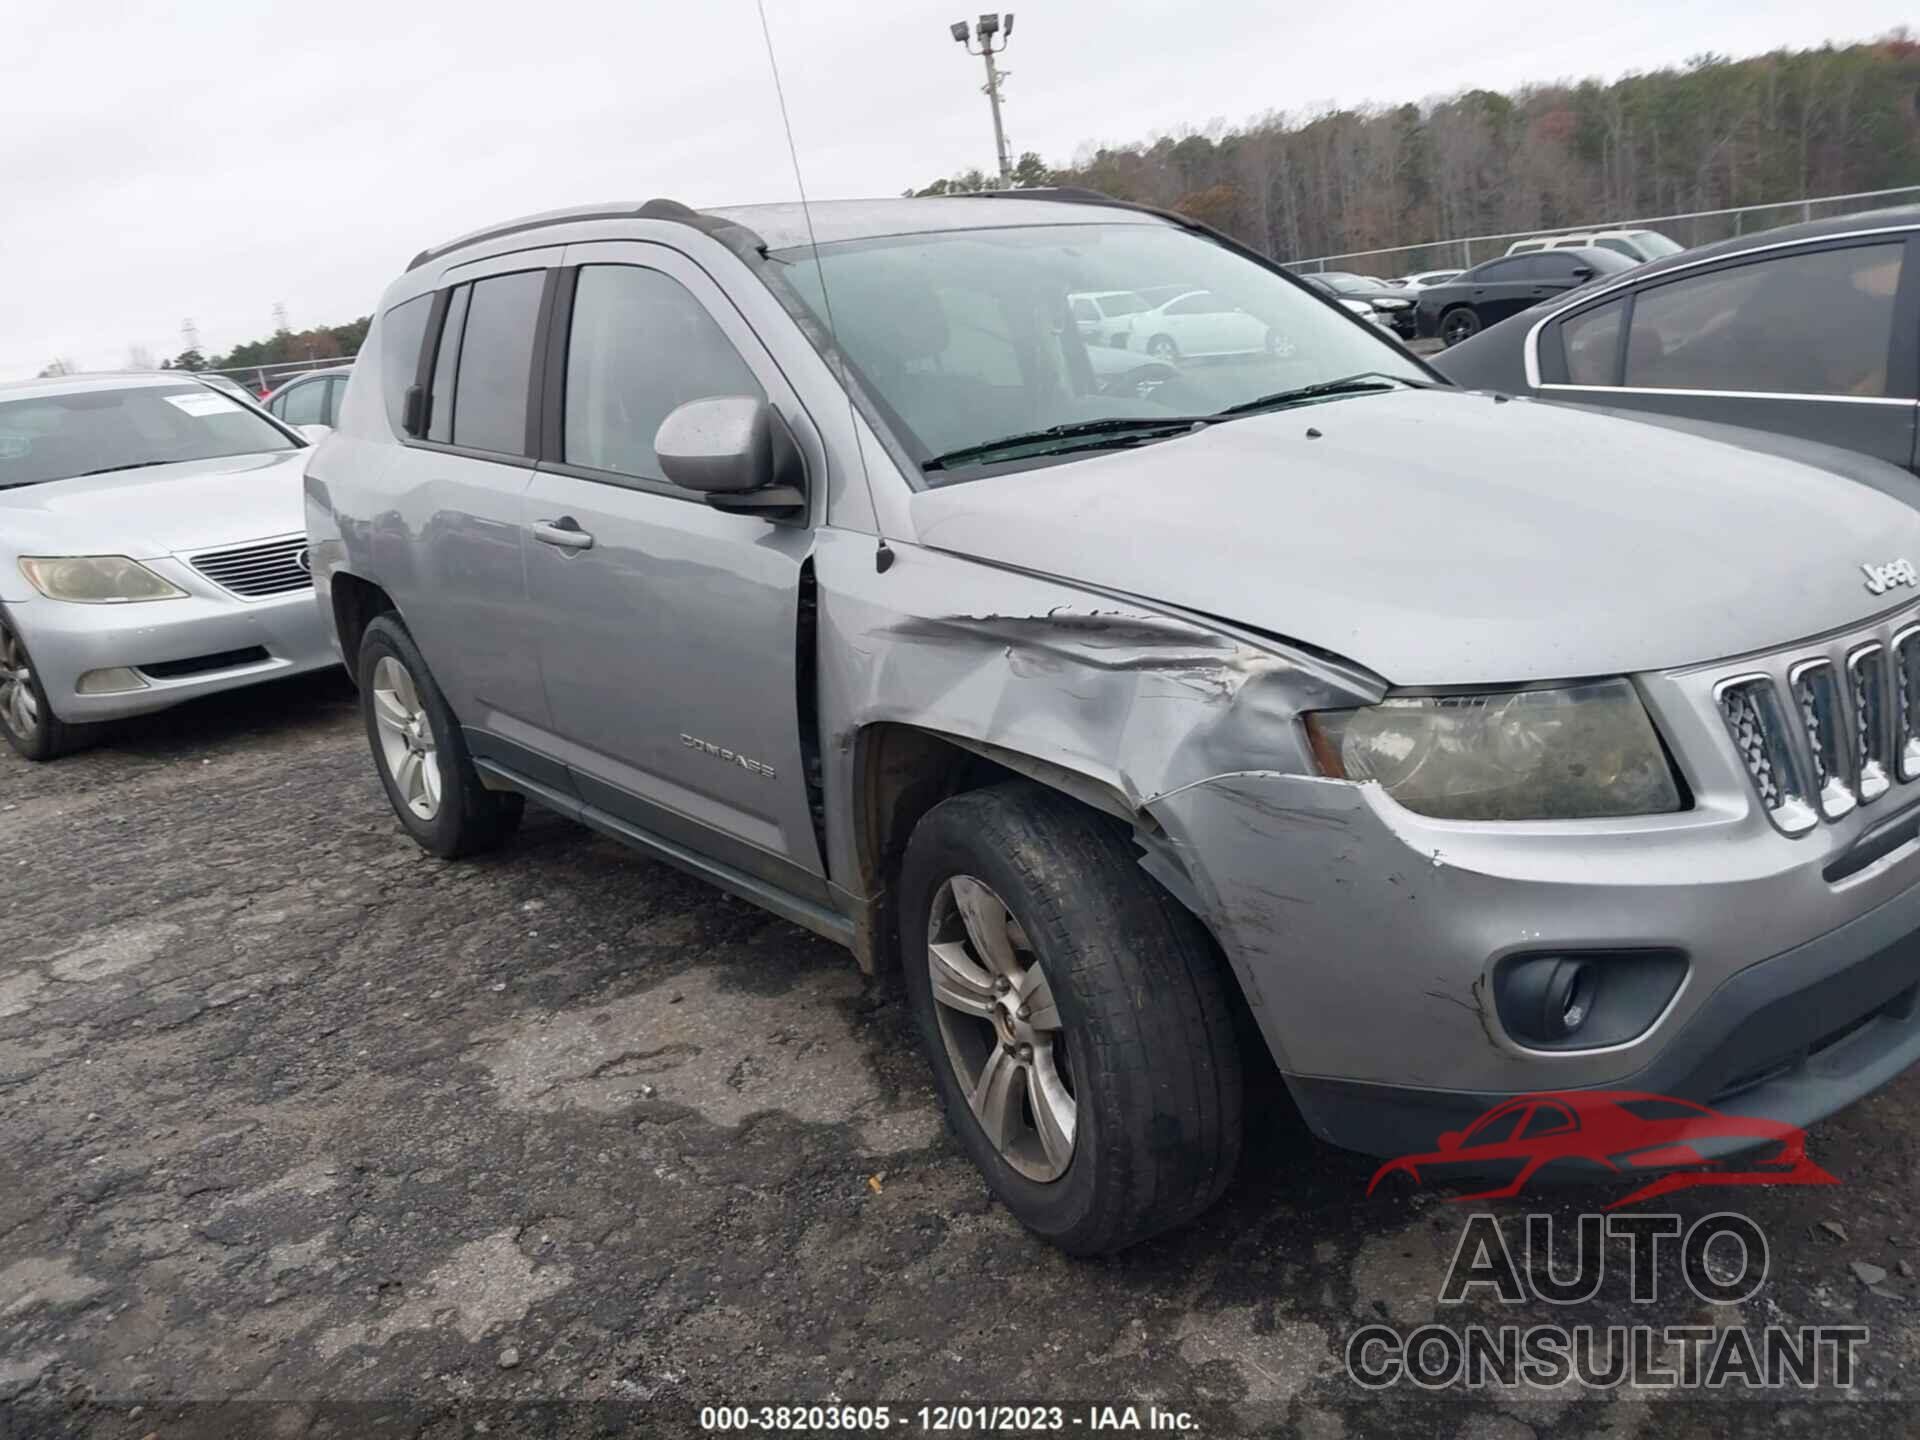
(1477, 746)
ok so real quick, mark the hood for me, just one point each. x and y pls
(1445, 538)
(152, 512)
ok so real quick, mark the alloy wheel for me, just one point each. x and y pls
(19, 707)
(407, 745)
(1001, 1028)
(1460, 325)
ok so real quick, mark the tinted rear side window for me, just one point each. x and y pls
(1813, 324)
(402, 329)
(496, 361)
(440, 413)
(1592, 341)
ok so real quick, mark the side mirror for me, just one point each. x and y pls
(735, 450)
(1450, 1140)
(1582, 273)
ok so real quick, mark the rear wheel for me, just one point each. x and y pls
(26, 715)
(1075, 1018)
(1459, 323)
(1162, 348)
(420, 752)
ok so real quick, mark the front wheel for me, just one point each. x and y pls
(26, 715)
(420, 752)
(1162, 348)
(1459, 324)
(1075, 1017)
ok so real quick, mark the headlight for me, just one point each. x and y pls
(96, 579)
(1575, 752)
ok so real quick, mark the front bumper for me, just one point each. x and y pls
(206, 643)
(1368, 939)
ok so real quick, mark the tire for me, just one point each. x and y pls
(26, 714)
(1162, 348)
(420, 753)
(1142, 1041)
(1459, 323)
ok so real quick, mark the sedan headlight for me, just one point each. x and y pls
(1573, 752)
(96, 579)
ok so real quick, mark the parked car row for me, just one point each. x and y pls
(1136, 710)
(1490, 292)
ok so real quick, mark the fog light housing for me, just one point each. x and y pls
(1585, 999)
(116, 680)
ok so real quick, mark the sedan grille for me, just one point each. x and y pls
(1829, 740)
(273, 567)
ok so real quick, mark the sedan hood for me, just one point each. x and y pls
(1445, 538)
(159, 509)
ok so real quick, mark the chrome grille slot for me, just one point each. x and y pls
(1867, 683)
(1758, 724)
(1816, 694)
(1906, 707)
(273, 567)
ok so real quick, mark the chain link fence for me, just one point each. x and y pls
(1694, 227)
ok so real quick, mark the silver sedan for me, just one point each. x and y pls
(152, 550)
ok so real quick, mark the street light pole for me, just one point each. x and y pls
(985, 29)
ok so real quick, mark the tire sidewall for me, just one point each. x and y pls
(386, 637)
(45, 744)
(1466, 317)
(938, 851)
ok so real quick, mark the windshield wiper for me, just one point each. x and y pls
(130, 465)
(1079, 434)
(1362, 383)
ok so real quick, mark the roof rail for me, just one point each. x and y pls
(732, 234)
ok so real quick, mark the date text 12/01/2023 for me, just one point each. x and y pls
(942, 1419)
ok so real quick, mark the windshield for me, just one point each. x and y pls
(1654, 245)
(86, 432)
(966, 337)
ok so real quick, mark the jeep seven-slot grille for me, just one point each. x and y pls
(274, 567)
(1832, 739)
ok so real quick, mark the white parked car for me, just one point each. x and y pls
(1105, 317)
(152, 550)
(1199, 323)
(1634, 244)
(1423, 278)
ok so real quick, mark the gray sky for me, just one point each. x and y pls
(213, 159)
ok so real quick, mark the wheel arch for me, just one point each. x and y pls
(901, 771)
(355, 602)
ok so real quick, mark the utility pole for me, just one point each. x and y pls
(984, 30)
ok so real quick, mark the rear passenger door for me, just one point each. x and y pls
(458, 571)
(1821, 342)
(670, 633)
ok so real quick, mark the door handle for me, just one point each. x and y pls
(565, 533)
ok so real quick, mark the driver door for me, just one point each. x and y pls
(668, 630)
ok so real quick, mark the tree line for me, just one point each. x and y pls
(1713, 133)
(322, 342)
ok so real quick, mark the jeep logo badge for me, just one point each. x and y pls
(1882, 578)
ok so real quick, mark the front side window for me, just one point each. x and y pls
(304, 404)
(1817, 323)
(641, 347)
(496, 363)
(91, 432)
(1592, 343)
(1007, 362)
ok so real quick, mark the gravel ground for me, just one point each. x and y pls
(296, 1119)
